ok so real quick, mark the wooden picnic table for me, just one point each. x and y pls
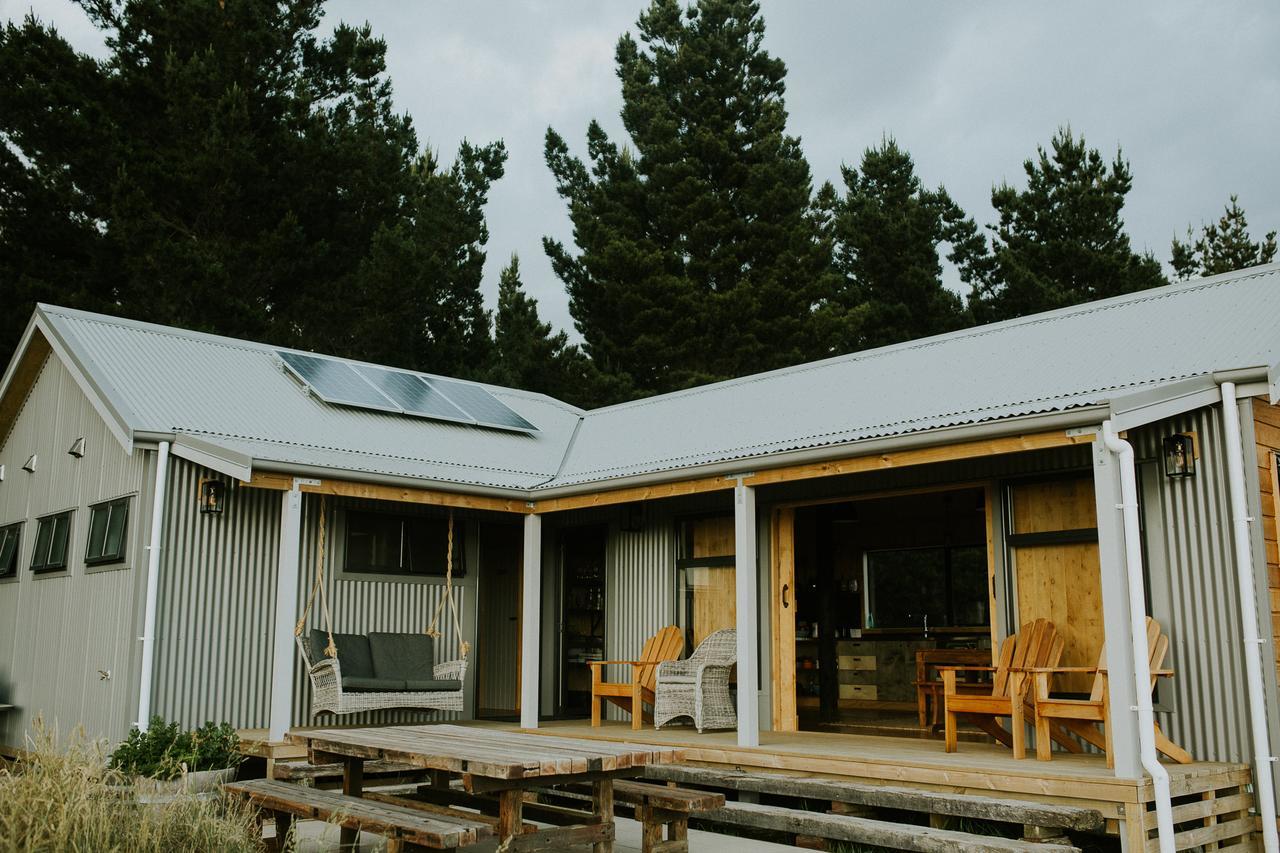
(497, 763)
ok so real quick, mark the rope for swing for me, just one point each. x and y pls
(432, 631)
(317, 588)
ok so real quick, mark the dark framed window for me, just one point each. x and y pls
(10, 545)
(907, 586)
(53, 532)
(108, 525)
(385, 544)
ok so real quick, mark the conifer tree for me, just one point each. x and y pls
(699, 252)
(229, 168)
(1061, 241)
(1222, 246)
(888, 229)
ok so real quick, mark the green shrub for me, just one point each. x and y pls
(54, 800)
(164, 751)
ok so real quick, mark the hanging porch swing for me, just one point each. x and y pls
(380, 670)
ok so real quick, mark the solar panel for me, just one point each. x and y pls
(336, 382)
(413, 394)
(481, 405)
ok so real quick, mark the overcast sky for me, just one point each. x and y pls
(1189, 90)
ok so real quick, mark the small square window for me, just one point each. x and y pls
(10, 542)
(108, 523)
(52, 534)
(401, 545)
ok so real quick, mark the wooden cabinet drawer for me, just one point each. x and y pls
(858, 691)
(860, 663)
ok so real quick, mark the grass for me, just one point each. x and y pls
(64, 799)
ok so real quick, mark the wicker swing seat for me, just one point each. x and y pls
(380, 671)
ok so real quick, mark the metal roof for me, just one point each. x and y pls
(1043, 363)
(234, 394)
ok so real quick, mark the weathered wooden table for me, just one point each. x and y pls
(495, 763)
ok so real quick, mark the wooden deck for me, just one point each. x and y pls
(1208, 796)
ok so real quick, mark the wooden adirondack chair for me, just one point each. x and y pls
(1036, 645)
(1059, 719)
(630, 696)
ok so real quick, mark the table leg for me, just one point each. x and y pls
(510, 815)
(602, 809)
(352, 786)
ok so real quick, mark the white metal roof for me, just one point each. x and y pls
(233, 393)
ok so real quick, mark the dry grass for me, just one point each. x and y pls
(63, 799)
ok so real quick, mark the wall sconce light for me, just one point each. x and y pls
(77, 448)
(213, 497)
(30, 465)
(1179, 456)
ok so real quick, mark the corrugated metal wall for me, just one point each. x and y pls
(216, 604)
(1191, 571)
(67, 639)
(216, 618)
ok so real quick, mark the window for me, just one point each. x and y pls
(945, 586)
(400, 545)
(10, 540)
(52, 534)
(108, 523)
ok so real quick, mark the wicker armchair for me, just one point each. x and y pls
(698, 687)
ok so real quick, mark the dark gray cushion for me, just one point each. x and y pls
(353, 652)
(433, 684)
(407, 656)
(357, 684)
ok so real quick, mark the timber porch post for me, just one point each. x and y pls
(530, 627)
(745, 582)
(1115, 613)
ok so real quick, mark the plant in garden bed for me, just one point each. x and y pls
(165, 751)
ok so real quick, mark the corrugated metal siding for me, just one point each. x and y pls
(216, 604)
(61, 631)
(639, 592)
(1193, 593)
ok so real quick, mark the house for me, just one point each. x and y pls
(933, 494)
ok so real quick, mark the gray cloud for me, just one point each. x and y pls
(1189, 90)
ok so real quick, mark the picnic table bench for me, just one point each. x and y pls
(401, 825)
(494, 764)
(659, 809)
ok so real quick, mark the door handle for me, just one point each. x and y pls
(785, 588)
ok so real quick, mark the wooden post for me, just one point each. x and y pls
(281, 713)
(510, 815)
(530, 626)
(745, 564)
(352, 786)
(602, 810)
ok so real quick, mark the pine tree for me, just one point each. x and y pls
(1061, 241)
(887, 231)
(1222, 246)
(226, 168)
(700, 254)
(529, 355)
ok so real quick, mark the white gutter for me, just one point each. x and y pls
(1264, 790)
(153, 586)
(1138, 628)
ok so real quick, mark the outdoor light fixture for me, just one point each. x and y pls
(77, 448)
(1179, 456)
(213, 496)
(30, 465)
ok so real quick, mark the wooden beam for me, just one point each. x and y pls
(400, 494)
(24, 378)
(638, 493)
(918, 456)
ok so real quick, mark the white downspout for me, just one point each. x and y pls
(1234, 447)
(1138, 628)
(153, 586)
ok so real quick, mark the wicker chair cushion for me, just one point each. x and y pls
(431, 685)
(407, 656)
(356, 684)
(353, 652)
